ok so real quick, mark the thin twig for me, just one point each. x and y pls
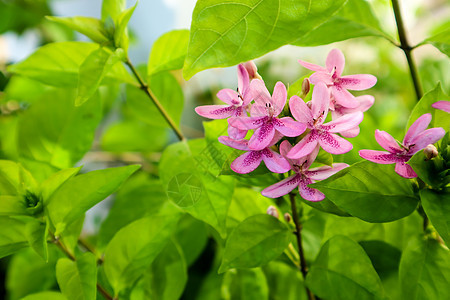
(298, 234)
(144, 86)
(407, 49)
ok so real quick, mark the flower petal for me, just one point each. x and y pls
(229, 96)
(235, 133)
(288, 127)
(442, 105)
(279, 98)
(335, 62)
(240, 144)
(343, 123)
(365, 102)
(387, 141)
(321, 77)
(300, 110)
(262, 137)
(357, 82)
(334, 144)
(320, 101)
(308, 160)
(305, 146)
(308, 193)
(243, 79)
(285, 147)
(274, 161)
(258, 110)
(312, 67)
(351, 133)
(343, 97)
(247, 123)
(423, 139)
(282, 188)
(417, 127)
(259, 92)
(405, 170)
(324, 172)
(381, 157)
(215, 111)
(247, 162)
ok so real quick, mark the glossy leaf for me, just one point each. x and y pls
(81, 192)
(135, 246)
(371, 192)
(48, 295)
(184, 171)
(51, 184)
(342, 270)
(255, 242)
(77, 279)
(244, 284)
(441, 41)
(424, 270)
(58, 64)
(385, 258)
(168, 52)
(112, 8)
(225, 33)
(437, 208)
(90, 27)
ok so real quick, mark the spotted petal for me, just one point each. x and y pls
(274, 161)
(247, 162)
(229, 96)
(215, 111)
(405, 170)
(417, 127)
(387, 141)
(259, 92)
(343, 123)
(283, 187)
(305, 146)
(324, 172)
(357, 82)
(289, 127)
(262, 137)
(308, 193)
(236, 144)
(334, 144)
(423, 139)
(247, 123)
(300, 110)
(381, 157)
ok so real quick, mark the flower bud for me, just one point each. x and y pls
(287, 217)
(430, 151)
(305, 87)
(252, 70)
(272, 211)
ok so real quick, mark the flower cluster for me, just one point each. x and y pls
(252, 108)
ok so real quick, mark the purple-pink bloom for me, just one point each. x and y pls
(331, 76)
(322, 134)
(250, 160)
(442, 105)
(302, 176)
(416, 139)
(264, 113)
(236, 103)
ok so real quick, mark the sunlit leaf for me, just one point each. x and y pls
(90, 27)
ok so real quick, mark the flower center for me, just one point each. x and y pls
(270, 109)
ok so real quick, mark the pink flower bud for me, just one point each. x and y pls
(252, 70)
(305, 87)
(287, 217)
(272, 211)
(430, 151)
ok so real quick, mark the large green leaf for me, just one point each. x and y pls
(12, 235)
(90, 27)
(192, 236)
(56, 132)
(185, 173)
(77, 279)
(51, 184)
(425, 270)
(354, 19)
(255, 242)
(58, 64)
(439, 118)
(48, 295)
(227, 32)
(244, 284)
(168, 52)
(135, 246)
(81, 192)
(14, 179)
(437, 208)
(342, 270)
(441, 41)
(371, 192)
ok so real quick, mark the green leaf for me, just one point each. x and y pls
(354, 19)
(112, 8)
(326, 205)
(385, 258)
(280, 278)
(136, 245)
(12, 205)
(437, 208)
(441, 41)
(190, 185)
(166, 278)
(342, 270)
(58, 64)
(36, 233)
(12, 235)
(244, 284)
(81, 192)
(255, 242)
(168, 52)
(56, 132)
(14, 179)
(371, 192)
(192, 236)
(439, 118)
(121, 32)
(90, 27)
(227, 32)
(77, 279)
(51, 184)
(424, 270)
(48, 295)
(431, 171)
(92, 71)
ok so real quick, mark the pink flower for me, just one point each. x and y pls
(417, 138)
(250, 160)
(322, 134)
(264, 114)
(331, 76)
(302, 176)
(236, 103)
(442, 105)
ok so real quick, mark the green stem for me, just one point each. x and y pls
(298, 234)
(144, 86)
(407, 49)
